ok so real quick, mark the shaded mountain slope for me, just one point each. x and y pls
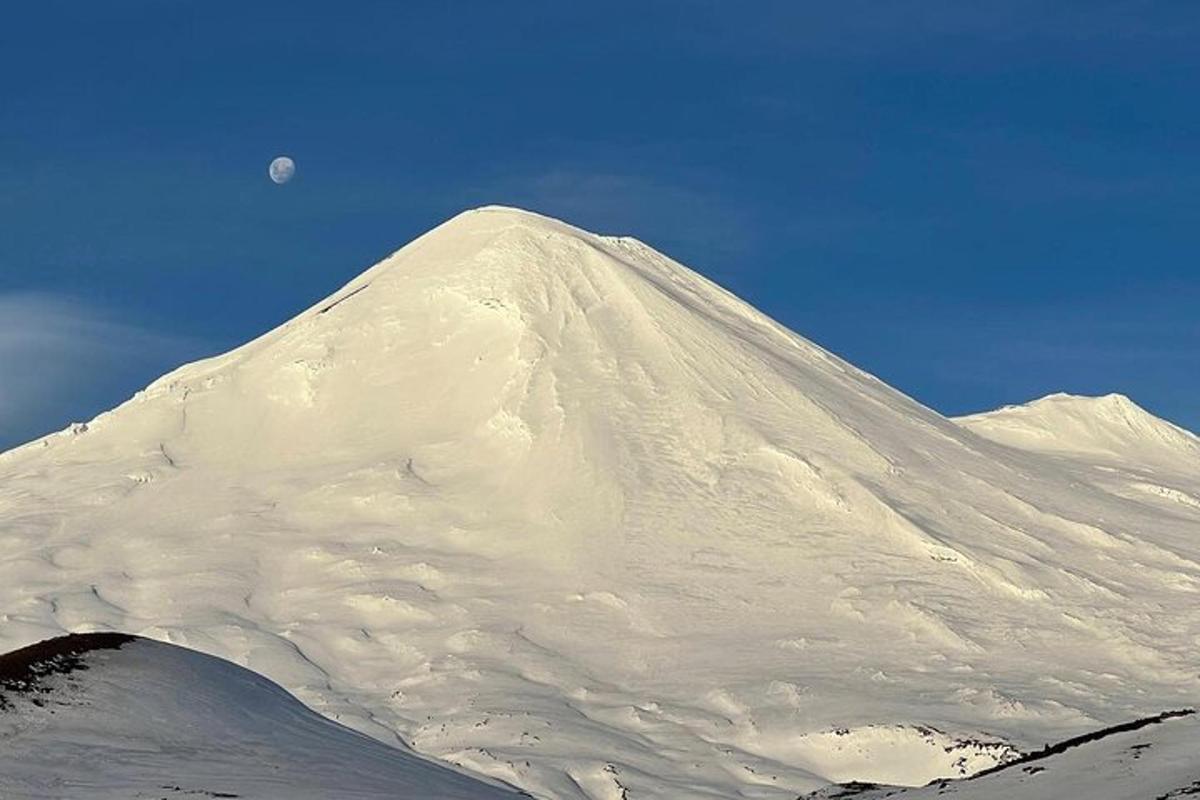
(110, 716)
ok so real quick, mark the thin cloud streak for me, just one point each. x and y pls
(63, 359)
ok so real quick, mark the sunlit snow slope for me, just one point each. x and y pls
(89, 717)
(1100, 429)
(551, 506)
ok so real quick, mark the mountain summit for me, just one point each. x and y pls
(553, 507)
(1110, 427)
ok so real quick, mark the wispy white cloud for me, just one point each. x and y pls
(62, 359)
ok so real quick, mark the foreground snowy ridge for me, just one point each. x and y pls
(552, 507)
(1151, 758)
(103, 716)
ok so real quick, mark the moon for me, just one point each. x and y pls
(282, 169)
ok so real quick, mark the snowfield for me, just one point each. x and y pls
(143, 719)
(552, 507)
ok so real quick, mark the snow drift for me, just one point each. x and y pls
(553, 507)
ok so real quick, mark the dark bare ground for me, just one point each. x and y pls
(1182, 791)
(1055, 749)
(22, 671)
(201, 792)
(854, 788)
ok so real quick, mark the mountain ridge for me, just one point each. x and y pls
(108, 715)
(1111, 424)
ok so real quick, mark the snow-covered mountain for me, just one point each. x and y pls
(102, 716)
(553, 507)
(1103, 429)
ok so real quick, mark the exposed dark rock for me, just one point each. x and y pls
(1067, 744)
(22, 671)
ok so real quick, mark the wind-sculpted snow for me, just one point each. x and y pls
(553, 507)
(119, 717)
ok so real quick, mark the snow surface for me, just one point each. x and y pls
(1157, 762)
(553, 507)
(1109, 428)
(153, 720)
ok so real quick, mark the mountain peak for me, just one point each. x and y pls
(1111, 425)
(483, 330)
(492, 245)
(514, 213)
(495, 218)
(1110, 400)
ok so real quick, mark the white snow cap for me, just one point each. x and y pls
(1111, 425)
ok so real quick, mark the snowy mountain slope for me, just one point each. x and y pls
(105, 716)
(1111, 428)
(1109, 442)
(552, 506)
(1151, 759)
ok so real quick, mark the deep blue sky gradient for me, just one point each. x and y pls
(980, 202)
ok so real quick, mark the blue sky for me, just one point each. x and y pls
(980, 202)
